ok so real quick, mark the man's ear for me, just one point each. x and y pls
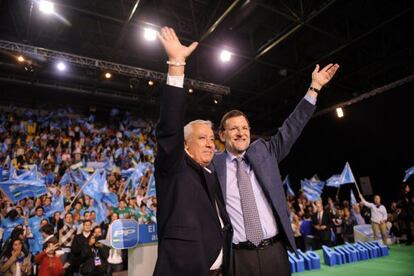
(185, 145)
(221, 135)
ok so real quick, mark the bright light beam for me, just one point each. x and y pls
(46, 7)
(225, 56)
(61, 66)
(150, 34)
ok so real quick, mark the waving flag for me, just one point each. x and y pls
(110, 199)
(66, 179)
(312, 189)
(408, 172)
(151, 186)
(27, 184)
(334, 181)
(286, 183)
(55, 206)
(347, 176)
(94, 186)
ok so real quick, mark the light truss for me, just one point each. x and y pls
(111, 66)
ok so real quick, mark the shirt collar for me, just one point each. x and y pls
(231, 157)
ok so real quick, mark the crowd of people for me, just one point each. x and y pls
(315, 224)
(36, 240)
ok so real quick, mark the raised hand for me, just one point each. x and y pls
(175, 50)
(323, 76)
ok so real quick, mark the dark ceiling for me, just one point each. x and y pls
(276, 44)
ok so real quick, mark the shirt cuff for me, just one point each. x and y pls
(310, 98)
(177, 81)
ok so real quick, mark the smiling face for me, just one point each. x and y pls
(200, 144)
(236, 135)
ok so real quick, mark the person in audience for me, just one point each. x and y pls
(407, 205)
(15, 262)
(356, 213)
(94, 255)
(296, 223)
(322, 224)
(47, 260)
(379, 218)
(337, 221)
(79, 244)
(348, 223)
(66, 235)
(306, 229)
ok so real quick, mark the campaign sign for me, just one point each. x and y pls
(124, 234)
(148, 233)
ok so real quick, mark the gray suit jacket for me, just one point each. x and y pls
(264, 157)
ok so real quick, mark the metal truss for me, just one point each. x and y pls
(110, 66)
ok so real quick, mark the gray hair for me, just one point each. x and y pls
(188, 128)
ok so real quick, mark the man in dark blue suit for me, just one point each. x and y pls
(194, 230)
(252, 187)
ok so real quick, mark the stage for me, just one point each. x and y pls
(400, 262)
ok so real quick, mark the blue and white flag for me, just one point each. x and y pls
(286, 183)
(26, 184)
(94, 186)
(408, 172)
(110, 199)
(151, 186)
(347, 176)
(66, 179)
(334, 181)
(312, 189)
(55, 206)
(353, 199)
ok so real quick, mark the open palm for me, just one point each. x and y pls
(173, 47)
(324, 75)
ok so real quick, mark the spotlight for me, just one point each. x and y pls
(190, 90)
(61, 66)
(217, 99)
(150, 34)
(108, 75)
(20, 58)
(46, 7)
(150, 83)
(225, 56)
(133, 83)
(339, 112)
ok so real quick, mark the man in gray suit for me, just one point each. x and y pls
(252, 187)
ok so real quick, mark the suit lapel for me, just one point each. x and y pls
(255, 162)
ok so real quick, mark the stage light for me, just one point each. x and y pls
(190, 90)
(150, 83)
(217, 99)
(20, 58)
(150, 34)
(61, 66)
(225, 56)
(108, 75)
(339, 112)
(46, 7)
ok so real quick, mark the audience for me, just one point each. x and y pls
(36, 237)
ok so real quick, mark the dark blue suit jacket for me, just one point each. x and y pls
(190, 236)
(264, 157)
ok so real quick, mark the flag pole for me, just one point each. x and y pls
(87, 181)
